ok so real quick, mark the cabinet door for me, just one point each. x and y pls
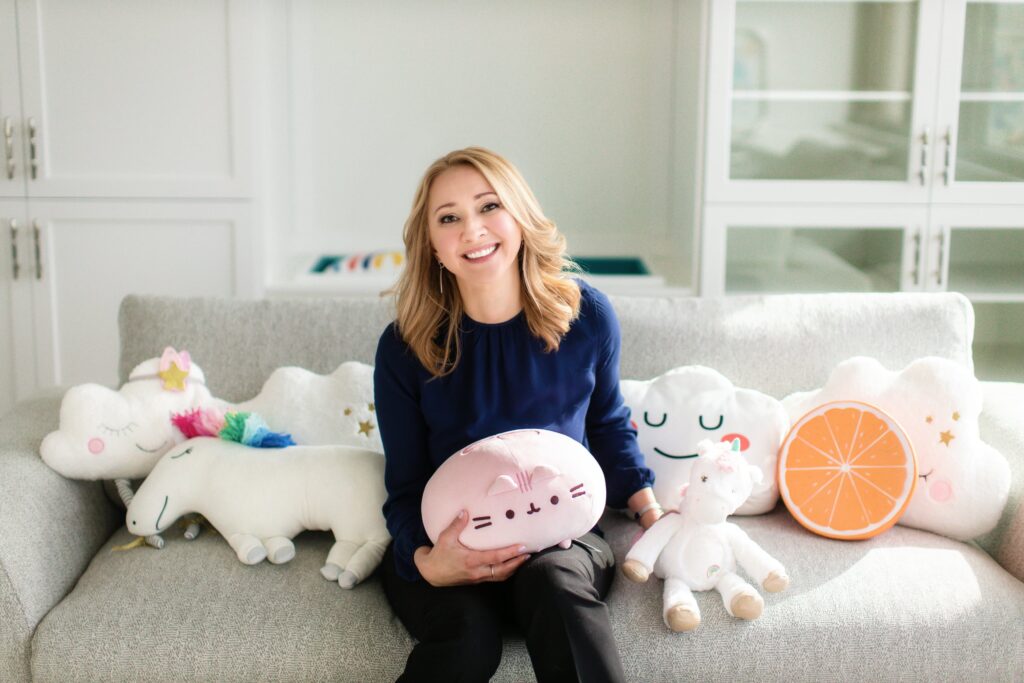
(759, 249)
(93, 254)
(12, 173)
(981, 110)
(140, 99)
(830, 100)
(17, 341)
(977, 250)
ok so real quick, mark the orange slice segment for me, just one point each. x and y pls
(847, 470)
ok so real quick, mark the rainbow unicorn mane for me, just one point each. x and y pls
(248, 429)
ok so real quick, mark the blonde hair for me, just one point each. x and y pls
(551, 299)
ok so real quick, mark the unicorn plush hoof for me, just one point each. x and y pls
(279, 550)
(747, 606)
(156, 541)
(192, 532)
(248, 548)
(347, 579)
(776, 583)
(330, 571)
(635, 571)
(681, 618)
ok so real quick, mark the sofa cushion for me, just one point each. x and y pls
(775, 344)
(890, 607)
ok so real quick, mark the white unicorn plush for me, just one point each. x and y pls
(259, 499)
(698, 550)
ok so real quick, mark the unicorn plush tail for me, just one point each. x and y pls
(248, 429)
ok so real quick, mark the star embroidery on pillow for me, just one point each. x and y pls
(946, 436)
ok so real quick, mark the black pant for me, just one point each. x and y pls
(555, 598)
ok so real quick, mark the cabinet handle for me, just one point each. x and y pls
(916, 273)
(941, 237)
(949, 144)
(925, 141)
(39, 260)
(14, 249)
(32, 146)
(9, 146)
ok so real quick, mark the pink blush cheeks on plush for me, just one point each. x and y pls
(96, 445)
(940, 491)
(528, 487)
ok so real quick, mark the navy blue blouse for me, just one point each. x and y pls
(504, 380)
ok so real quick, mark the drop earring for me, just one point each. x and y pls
(440, 276)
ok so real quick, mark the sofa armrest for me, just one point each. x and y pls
(1002, 427)
(50, 528)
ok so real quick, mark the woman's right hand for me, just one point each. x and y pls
(449, 563)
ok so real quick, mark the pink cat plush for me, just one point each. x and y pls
(531, 487)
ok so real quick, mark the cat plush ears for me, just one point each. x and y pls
(522, 481)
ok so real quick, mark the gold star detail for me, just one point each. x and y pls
(928, 419)
(956, 416)
(372, 408)
(365, 427)
(946, 437)
(173, 377)
(348, 411)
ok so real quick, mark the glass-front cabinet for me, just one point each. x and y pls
(869, 146)
(824, 100)
(865, 101)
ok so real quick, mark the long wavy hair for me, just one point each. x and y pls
(428, 318)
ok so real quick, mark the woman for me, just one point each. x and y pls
(491, 335)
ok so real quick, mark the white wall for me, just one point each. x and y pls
(583, 96)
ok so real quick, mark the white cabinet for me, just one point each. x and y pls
(862, 145)
(135, 99)
(128, 169)
(94, 254)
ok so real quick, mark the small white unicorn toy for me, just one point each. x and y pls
(698, 549)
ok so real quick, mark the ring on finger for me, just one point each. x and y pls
(492, 570)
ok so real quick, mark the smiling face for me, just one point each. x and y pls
(677, 410)
(471, 233)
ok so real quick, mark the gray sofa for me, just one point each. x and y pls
(907, 605)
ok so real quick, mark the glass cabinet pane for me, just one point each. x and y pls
(820, 140)
(991, 128)
(822, 90)
(993, 48)
(809, 259)
(825, 46)
(987, 261)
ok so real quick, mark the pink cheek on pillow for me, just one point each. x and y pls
(96, 446)
(941, 491)
(744, 441)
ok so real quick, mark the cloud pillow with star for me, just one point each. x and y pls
(108, 434)
(963, 483)
(319, 410)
